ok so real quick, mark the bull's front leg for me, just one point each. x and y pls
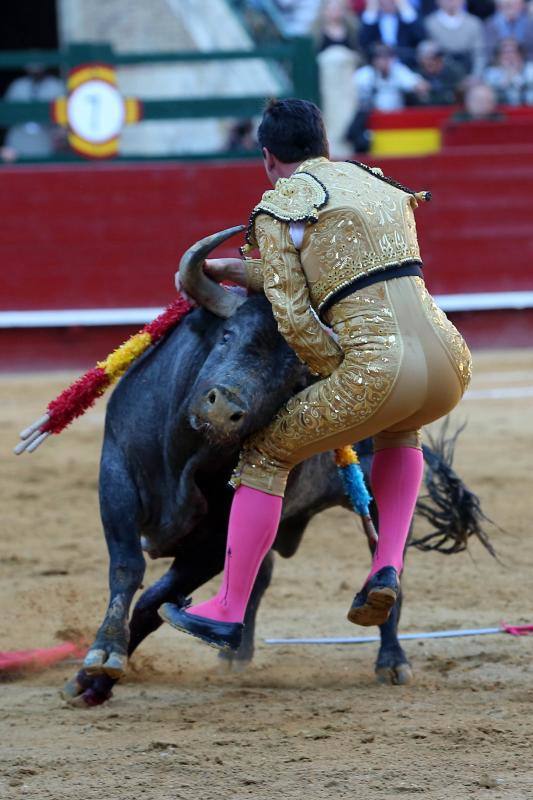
(109, 651)
(85, 690)
(201, 557)
(119, 506)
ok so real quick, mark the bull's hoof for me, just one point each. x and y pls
(115, 666)
(93, 663)
(100, 662)
(84, 691)
(395, 675)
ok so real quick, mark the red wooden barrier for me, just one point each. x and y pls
(110, 235)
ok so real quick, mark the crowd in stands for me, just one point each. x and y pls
(473, 55)
(33, 139)
(420, 52)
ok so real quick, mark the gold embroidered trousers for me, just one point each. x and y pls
(404, 366)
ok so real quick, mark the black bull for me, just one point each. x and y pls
(173, 430)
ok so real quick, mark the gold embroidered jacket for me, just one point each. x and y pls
(356, 223)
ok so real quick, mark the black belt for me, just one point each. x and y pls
(410, 268)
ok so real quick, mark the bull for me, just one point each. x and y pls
(173, 430)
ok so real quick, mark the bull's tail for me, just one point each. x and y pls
(453, 511)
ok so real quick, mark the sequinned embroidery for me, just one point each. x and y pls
(349, 397)
(345, 246)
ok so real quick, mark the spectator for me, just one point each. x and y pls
(394, 23)
(511, 76)
(337, 25)
(459, 34)
(480, 104)
(441, 74)
(241, 137)
(384, 83)
(32, 139)
(511, 21)
(336, 68)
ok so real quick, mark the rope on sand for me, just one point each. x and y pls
(513, 630)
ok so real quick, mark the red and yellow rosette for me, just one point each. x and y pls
(94, 111)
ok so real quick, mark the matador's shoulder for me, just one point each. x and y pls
(295, 199)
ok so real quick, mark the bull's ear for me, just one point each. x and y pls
(205, 291)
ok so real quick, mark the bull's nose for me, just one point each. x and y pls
(221, 408)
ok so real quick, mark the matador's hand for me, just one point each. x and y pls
(226, 269)
(218, 269)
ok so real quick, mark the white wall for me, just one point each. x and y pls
(166, 25)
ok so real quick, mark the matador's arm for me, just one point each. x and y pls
(286, 288)
(253, 268)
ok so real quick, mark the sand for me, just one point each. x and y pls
(301, 722)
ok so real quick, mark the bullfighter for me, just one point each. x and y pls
(340, 264)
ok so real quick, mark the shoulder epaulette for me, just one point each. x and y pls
(424, 197)
(295, 199)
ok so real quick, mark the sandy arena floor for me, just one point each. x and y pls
(301, 722)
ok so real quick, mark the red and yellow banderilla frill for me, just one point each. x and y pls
(82, 394)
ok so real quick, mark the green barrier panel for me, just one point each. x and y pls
(296, 56)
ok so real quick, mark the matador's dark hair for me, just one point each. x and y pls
(293, 130)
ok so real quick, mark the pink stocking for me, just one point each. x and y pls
(395, 477)
(253, 525)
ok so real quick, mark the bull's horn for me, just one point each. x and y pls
(205, 291)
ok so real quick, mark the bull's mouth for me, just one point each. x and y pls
(211, 434)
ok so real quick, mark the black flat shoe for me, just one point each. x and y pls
(373, 604)
(222, 635)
